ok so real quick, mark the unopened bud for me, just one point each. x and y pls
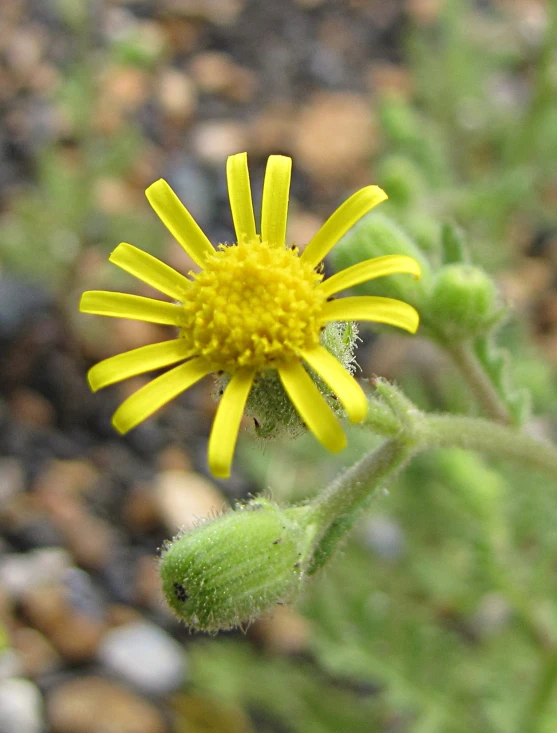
(230, 570)
(463, 301)
(377, 235)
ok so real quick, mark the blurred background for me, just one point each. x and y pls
(450, 105)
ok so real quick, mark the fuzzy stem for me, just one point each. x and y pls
(467, 362)
(338, 507)
(542, 693)
(335, 511)
(500, 441)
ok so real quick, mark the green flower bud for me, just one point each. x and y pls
(377, 235)
(402, 179)
(228, 571)
(271, 408)
(463, 301)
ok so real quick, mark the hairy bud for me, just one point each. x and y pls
(232, 569)
(464, 301)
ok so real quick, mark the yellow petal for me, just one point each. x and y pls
(138, 361)
(178, 220)
(368, 270)
(274, 207)
(136, 307)
(224, 433)
(239, 193)
(343, 384)
(340, 222)
(150, 270)
(312, 407)
(157, 393)
(372, 308)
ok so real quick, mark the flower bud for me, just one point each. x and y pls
(230, 570)
(463, 301)
(377, 235)
(402, 179)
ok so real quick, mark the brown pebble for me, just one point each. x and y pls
(216, 73)
(120, 615)
(273, 128)
(177, 95)
(30, 408)
(302, 225)
(334, 136)
(385, 77)
(129, 334)
(74, 634)
(184, 498)
(141, 510)
(148, 588)
(63, 479)
(283, 631)
(36, 653)
(97, 705)
(174, 458)
(113, 195)
(215, 140)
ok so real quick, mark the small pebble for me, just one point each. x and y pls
(145, 656)
(92, 704)
(185, 498)
(21, 707)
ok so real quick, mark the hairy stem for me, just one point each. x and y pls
(544, 686)
(484, 436)
(467, 362)
(339, 506)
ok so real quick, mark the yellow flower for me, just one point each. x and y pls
(254, 306)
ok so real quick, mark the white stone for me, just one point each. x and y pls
(145, 656)
(21, 707)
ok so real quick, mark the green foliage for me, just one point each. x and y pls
(439, 615)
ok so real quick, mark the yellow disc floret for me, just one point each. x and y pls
(253, 306)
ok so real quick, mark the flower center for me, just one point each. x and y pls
(252, 305)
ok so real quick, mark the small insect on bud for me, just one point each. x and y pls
(464, 301)
(232, 569)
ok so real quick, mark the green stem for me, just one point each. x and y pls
(542, 693)
(501, 441)
(337, 508)
(335, 511)
(466, 360)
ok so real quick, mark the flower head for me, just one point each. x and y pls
(255, 306)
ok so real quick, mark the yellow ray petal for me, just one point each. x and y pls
(178, 220)
(224, 433)
(136, 307)
(138, 361)
(343, 384)
(340, 222)
(312, 407)
(274, 207)
(239, 193)
(150, 270)
(368, 270)
(372, 308)
(157, 393)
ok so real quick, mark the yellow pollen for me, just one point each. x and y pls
(252, 306)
